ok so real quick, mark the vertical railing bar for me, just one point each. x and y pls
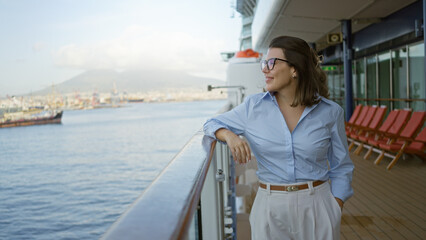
(225, 161)
(391, 78)
(220, 179)
(365, 79)
(233, 200)
(199, 221)
(407, 59)
(225, 183)
(218, 157)
(377, 80)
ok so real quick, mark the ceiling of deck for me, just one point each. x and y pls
(312, 20)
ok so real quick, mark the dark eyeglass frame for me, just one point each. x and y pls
(266, 63)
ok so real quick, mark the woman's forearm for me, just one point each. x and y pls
(224, 134)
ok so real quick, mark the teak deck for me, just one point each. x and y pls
(386, 204)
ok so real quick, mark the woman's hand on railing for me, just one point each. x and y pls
(239, 148)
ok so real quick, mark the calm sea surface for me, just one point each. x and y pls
(73, 180)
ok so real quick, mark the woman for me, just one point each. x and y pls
(298, 138)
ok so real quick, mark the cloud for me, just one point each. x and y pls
(146, 48)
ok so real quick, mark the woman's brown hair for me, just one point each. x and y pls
(311, 79)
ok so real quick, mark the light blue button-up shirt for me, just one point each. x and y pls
(317, 148)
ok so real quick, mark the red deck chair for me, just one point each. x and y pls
(355, 115)
(392, 131)
(365, 123)
(357, 124)
(418, 147)
(372, 128)
(353, 118)
(384, 127)
(407, 135)
(358, 130)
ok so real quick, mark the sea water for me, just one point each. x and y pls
(73, 180)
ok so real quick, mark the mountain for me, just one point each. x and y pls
(130, 81)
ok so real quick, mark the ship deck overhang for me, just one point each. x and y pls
(313, 20)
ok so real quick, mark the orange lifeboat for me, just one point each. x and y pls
(248, 53)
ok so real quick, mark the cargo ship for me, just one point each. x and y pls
(18, 119)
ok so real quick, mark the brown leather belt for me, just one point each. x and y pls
(290, 188)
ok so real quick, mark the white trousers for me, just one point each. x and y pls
(309, 214)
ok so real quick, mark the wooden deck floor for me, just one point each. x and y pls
(386, 204)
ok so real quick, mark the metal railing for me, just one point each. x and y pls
(190, 199)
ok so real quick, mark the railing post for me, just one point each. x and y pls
(220, 178)
(231, 195)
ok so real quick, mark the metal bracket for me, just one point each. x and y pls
(220, 177)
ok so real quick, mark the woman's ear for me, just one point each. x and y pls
(293, 73)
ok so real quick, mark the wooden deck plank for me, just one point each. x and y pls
(396, 196)
(401, 179)
(352, 216)
(360, 230)
(394, 193)
(347, 231)
(342, 237)
(386, 204)
(383, 215)
(372, 222)
(395, 211)
(404, 178)
(401, 175)
(403, 172)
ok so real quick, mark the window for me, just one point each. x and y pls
(371, 80)
(399, 77)
(359, 80)
(335, 82)
(330, 82)
(417, 76)
(384, 79)
(392, 76)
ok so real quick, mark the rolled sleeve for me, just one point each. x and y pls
(341, 166)
(211, 126)
(233, 120)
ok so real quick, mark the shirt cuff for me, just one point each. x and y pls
(341, 188)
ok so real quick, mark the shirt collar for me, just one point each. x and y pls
(325, 100)
(265, 96)
(270, 96)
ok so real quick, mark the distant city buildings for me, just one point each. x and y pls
(91, 100)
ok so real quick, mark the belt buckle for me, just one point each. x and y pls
(292, 188)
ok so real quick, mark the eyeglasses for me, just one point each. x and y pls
(270, 63)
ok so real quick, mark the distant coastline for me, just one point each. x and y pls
(109, 88)
(93, 100)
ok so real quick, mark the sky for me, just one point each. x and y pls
(47, 42)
